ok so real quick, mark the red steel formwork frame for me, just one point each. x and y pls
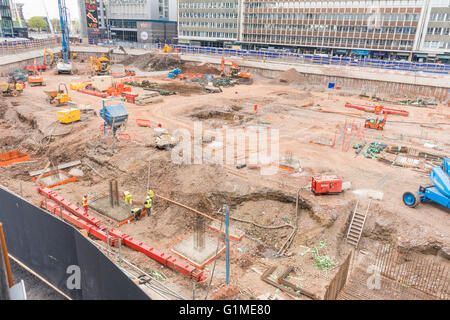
(93, 93)
(98, 233)
(377, 109)
(69, 206)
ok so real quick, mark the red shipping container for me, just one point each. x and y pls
(326, 185)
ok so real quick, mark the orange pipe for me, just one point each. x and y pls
(5, 256)
(186, 207)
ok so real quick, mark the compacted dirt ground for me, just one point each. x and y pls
(310, 121)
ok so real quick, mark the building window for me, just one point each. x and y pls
(164, 9)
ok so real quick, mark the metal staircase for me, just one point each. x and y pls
(356, 225)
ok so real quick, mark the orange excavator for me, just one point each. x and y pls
(377, 124)
(243, 77)
(36, 79)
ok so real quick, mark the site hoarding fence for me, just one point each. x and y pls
(59, 253)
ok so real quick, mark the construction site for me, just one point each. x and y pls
(352, 185)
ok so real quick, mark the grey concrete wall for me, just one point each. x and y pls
(387, 81)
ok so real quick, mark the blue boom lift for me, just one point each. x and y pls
(438, 192)
(64, 65)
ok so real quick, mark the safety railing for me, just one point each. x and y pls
(134, 45)
(290, 57)
(15, 47)
(316, 59)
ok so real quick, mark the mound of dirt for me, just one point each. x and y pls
(225, 293)
(154, 62)
(291, 76)
(182, 88)
(205, 68)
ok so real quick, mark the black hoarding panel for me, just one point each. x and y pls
(110, 283)
(56, 250)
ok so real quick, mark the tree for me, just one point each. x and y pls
(55, 24)
(37, 23)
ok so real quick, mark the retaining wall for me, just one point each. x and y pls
(370, 81)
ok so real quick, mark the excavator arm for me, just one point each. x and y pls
(52, 56)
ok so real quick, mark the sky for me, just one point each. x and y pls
(33, 8)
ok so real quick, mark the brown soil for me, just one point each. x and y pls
(267, 201)
(291, 76)
(225, 293)
(205, 68)
(154, 62)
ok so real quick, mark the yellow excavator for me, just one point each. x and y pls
(49, 58)
(102, 65)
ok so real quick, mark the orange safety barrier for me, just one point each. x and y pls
(143, 122)
(191, 75)
(70, 179)
(123, 137)
(11, 157)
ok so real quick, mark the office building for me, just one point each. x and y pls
(6, 22)
(145, 21)
(395, 29)
(208, 23)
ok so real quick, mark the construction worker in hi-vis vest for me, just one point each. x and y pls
(150, 193)
(137, 213)
(148, 205)
(127, 197)
(84, 203)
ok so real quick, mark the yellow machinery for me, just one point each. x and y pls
(61, 95)
(167, 49)
(11, 89)
(69, 115)
(100, 66)
(165, 142)
(49, 58)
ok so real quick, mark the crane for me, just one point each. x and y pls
(64, 66)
